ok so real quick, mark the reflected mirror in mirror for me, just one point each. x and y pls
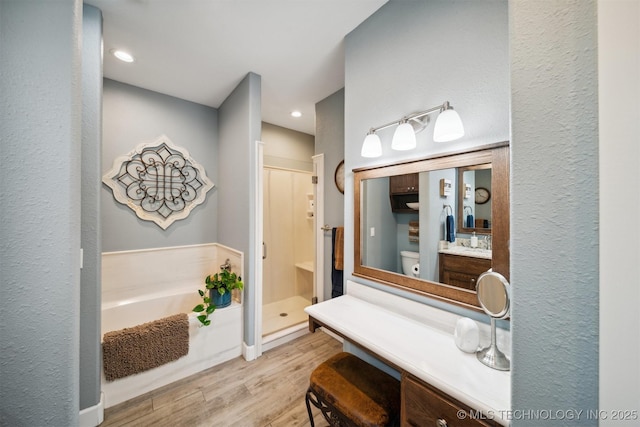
(401, 223)
(474, 199)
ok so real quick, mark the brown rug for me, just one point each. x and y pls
(133, 350)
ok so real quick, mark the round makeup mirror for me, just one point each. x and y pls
(493, 295)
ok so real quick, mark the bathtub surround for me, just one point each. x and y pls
(130, 351)
(146, 285)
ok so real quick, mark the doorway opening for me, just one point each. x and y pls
(288, 251)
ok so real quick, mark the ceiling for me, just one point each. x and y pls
(199, 50)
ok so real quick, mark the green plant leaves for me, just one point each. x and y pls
(223, 281)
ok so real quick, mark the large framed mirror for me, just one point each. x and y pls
(433, 225)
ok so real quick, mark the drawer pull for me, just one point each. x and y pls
(441, 423)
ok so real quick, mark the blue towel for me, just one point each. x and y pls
(451, 229)
(470, 221)
(337, 276)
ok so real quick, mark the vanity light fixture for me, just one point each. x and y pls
(448, 127)
(371, 147)
(404, 138)
(122, 55)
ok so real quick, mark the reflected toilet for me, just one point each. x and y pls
(410, 263)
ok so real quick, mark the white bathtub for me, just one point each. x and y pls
(208, 346)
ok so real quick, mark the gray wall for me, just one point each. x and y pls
(90, 289)
(552, 85)
(330, 142)
(287, 148)
(240, 122)
(447, 50)
(133, 115)
(554, 239)
(40, 124)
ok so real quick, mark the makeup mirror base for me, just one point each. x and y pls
(492, 356)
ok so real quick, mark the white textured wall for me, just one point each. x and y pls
(619, 96)
(40, 124)
(554, 215)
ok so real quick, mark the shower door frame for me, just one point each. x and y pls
(255, 351)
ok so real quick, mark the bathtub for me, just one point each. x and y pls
(208, 346)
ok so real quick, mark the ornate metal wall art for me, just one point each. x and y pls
(159, 181)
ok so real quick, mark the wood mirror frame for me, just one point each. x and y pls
(496, 154)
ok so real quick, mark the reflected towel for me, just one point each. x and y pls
(470, 221)
(451, 229)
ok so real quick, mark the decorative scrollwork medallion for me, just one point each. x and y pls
(159, 181)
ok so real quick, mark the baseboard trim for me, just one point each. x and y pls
(248, 352)
(94, 415)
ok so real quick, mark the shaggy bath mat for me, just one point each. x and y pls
(133, 350)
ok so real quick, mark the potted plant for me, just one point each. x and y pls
(217, 293)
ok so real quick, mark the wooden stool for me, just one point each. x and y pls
(351, 392)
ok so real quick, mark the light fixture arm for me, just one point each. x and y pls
(448, 127)
(444, 106)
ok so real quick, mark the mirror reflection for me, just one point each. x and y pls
(474, 199)
(409, 226)
(432, 225)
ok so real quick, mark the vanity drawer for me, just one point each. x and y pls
(462, 271)
(424, 406)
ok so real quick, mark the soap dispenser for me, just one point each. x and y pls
(474, 240)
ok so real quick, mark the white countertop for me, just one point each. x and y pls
(466, 251)
(422, 350)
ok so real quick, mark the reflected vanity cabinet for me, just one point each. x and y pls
(403, 189)
(461, 271)
(423, 405)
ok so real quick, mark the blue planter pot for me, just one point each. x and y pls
(220, 301)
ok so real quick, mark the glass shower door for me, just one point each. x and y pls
(288, 236)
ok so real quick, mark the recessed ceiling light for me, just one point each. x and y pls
(122, 55)
(296, 114)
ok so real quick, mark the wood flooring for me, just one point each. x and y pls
(267, 392)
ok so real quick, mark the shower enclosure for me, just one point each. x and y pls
(289, 248)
